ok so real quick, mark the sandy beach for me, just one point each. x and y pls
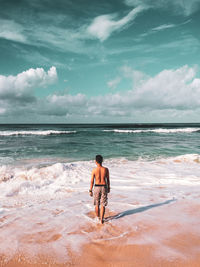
(152, 218)
(166, 234)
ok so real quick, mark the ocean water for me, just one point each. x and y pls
(83, 142)
(45, 176)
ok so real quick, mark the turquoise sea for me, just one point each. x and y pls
(72, 142)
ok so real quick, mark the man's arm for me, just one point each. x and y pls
(108, 180)
(92, 182)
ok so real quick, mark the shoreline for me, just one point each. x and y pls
(161, 239)
(152, 219)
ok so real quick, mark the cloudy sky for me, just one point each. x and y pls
(99, 61)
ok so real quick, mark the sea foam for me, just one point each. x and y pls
(45, 132)
(160, 130)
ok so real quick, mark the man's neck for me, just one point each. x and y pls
(99, 165)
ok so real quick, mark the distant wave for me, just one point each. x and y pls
(160, 130)
(44, 132)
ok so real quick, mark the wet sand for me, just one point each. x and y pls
(165, 234)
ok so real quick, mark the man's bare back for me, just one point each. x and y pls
(101, 174)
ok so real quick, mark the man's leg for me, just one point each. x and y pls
(97, 210)
(102, 213)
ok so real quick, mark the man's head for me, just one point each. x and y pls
(99, 159)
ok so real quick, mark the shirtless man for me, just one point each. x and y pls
(101, 188)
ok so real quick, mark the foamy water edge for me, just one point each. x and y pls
(160, 130)
(49, 207)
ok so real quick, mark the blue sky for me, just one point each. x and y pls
(77, 61)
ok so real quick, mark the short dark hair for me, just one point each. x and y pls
(99, 159)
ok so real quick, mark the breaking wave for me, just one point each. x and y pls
(45, 132)
(160, 130)
(74, 172)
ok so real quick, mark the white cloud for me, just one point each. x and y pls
(113, 83)
(179, 6)
(138, 77)
(20, 86)
(11, 30)
(74, 37)
(103, 26)
(39, 34)
(170, 90)
(163, 27)
(63, 105)
(175, 89)
(158, 29)
(62, 39)
(169, 95)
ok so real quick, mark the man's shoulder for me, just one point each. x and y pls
(106, 172)
(103, 167)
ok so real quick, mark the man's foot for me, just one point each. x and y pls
(102, 221)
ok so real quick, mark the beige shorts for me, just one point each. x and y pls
(100, 196)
